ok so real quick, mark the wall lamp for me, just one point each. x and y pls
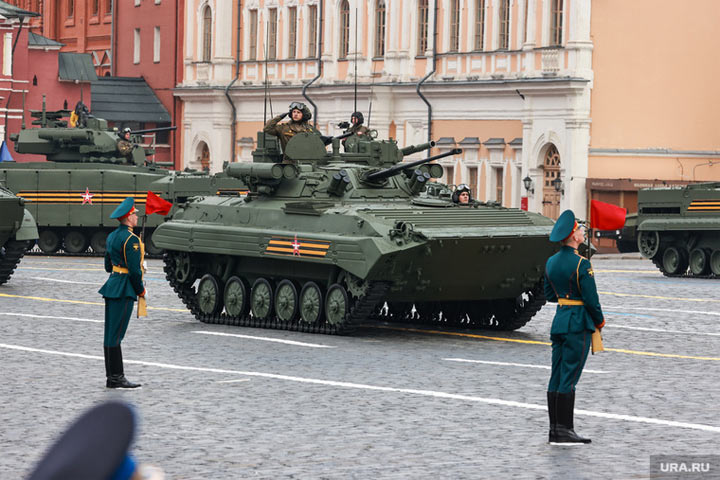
(558, 185)
(527, 181)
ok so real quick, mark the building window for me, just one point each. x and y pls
(380, 29)
(454, 25)
(272, 41)
(499, 180)
(252, 55)
(207, 35)
(473, 181)
(292, 32)
(480, 25)
(95, 7)
(557, 23)
(136, 46)
(156, 45)
(108, 7)
(422, 27)
(312, 31)
(70, 8)
(344, 28)
(137, 3)
(504, 18)
(450, 175)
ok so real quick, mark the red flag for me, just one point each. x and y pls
(606, 216)
(155, 204)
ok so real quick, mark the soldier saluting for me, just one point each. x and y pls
(123, 260)
(569, 281)
(299, 122)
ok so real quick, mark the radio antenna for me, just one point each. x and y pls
(356, 55)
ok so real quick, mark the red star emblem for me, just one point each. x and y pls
(87, 196)
(296, 247)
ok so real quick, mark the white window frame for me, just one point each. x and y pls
(156, 45)
(136, 46)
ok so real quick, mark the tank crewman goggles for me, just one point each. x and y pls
(462, 187)
(297, 106)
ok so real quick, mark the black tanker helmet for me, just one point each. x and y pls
(460, 189)
(359, 116)
(303, 108)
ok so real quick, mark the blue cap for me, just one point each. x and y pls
(564, 226)
(126, 207)
(95, 446)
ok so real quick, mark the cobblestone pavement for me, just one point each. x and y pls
(385, 403)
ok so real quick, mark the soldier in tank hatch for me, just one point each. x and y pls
(123, 260)
(569, 281)
(299, 122)
(461, 195)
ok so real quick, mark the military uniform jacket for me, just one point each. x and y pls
(358, 130)
(285, 131)
(568, 275)
(123, 250)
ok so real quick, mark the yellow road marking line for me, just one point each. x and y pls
(82, 302)
(646, 272)
(638, 295)
(536, 342)
(64, 269)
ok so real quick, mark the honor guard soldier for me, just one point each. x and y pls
(569, 281)
(123, 260)
(299, 122)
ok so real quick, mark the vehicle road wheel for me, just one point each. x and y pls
(236, 297)
(183, 268)
(715, 262)
(674, 261)
(209, 296)
(97, 241)
(337, 304)
(699, 261)
(261, 299)
(150, 246)
(49, 241)
(75, 242)
(286, 301)
(648, 243)
(311, 303)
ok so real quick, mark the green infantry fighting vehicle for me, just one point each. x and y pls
(323, 240)
(680, 227)
(17, 232)
(89, 171)
(625, 237)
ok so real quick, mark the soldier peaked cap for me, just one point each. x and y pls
(124, 209)
(564, 226)
(95, 446)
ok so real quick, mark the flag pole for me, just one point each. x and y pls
(142, 232)
(590, 230)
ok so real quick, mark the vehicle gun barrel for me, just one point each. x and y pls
(410, 149)
(152, 130)
(389, 172)
(327, 140)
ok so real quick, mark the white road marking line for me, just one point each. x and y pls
(662, 330)
(265, 339)
(506, 364)
(235, 381)
(702, 312)
(32, 315)
(360, 386)
(57, 280)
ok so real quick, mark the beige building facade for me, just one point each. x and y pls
(587, 92)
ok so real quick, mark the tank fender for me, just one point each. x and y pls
(28, 229)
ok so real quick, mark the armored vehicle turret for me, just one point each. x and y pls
(678, 228)
(88, 172)
(17, 232)
(324, 240)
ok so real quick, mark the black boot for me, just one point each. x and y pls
(552, 413)
(106, 353)
(564, 433)
(117, 375)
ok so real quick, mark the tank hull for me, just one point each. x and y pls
(17, 233)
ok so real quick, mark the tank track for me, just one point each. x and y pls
(9, 260)
(360, 310)
(657, 261)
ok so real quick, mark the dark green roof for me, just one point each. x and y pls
(76, 66)
(11, 11)
(35, 40)
(126, 99)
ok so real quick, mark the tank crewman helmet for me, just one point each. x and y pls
(460, 189)
(359, 117)
(126, 208)
(303, 108)
(565, 226)
(95, 446)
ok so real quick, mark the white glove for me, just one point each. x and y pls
(144, 265)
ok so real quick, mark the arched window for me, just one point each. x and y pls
(557, 23)
(422, 27)
(344, 28)
(504, 19)
(207, 35)
(380, 29)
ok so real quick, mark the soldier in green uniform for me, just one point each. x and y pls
(299, 122)
(123, 260)
(569, 281)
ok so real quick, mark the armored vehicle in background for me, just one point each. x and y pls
(17, 232)
(88, 172)
(625, 238)
(679, 228)
(324, 240)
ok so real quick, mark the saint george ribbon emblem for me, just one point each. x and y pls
(87, 196)
(297, 247)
